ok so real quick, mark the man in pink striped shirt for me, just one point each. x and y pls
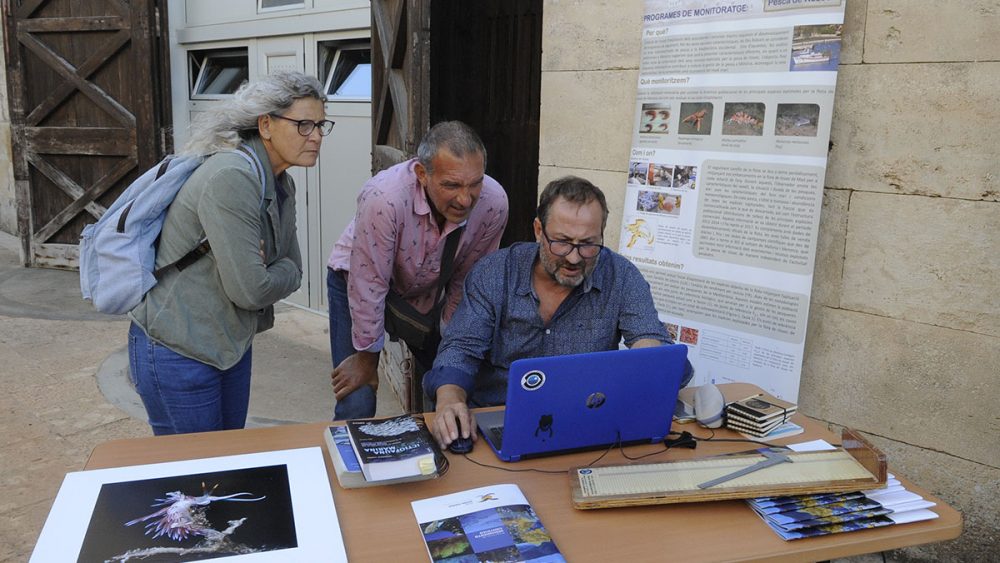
(396, 244)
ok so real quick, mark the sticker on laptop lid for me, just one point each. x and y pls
(532, 380)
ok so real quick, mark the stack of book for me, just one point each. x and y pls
(367, 452)
(808, 516)
(759, 416)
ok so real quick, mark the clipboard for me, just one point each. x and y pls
(856, 465)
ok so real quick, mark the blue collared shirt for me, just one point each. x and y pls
(497, 321)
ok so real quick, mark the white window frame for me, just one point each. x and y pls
(296, 6)
(200, 78)
(339, 47)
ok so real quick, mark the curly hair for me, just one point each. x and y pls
(226, 125)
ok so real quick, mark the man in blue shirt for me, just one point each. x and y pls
(564, 294)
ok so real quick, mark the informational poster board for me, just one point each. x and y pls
(725, 183)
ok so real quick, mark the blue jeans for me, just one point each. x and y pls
(184, 395)
(360, 403)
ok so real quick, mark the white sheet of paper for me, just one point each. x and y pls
(813, 446)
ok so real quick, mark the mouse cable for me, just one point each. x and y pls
(712, 438)
(617, 443)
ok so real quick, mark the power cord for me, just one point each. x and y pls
(617, 442)
(686, 441)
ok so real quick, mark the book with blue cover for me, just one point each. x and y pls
(346, 466)
(392, 448)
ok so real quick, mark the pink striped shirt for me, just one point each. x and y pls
(394, 237)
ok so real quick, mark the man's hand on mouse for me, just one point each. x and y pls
(452, 417)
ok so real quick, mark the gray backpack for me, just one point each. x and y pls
(118, 252)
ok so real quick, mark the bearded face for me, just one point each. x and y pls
(569, 244)
(569, 270)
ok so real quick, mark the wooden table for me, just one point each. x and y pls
(378, 523)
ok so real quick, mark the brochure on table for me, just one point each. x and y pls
(493, 523)
(271, 506)
(725, 182)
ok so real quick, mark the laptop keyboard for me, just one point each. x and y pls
(496, 436)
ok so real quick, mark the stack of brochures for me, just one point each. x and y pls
(808, 516)
(759, 416)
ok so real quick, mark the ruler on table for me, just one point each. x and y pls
(837, 470)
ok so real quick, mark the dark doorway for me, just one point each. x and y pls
(485, 70)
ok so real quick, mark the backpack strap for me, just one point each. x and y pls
(203, 246)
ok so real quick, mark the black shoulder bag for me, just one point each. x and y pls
(403, 322)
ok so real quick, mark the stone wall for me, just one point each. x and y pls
(8, 210)
(904, 329)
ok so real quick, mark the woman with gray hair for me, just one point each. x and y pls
(191, 336)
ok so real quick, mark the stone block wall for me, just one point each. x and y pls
(904, 328)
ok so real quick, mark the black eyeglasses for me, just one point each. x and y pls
(564, 247)
(306, 126)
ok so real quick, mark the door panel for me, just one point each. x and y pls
(288, 53)
(400, 78)
(489, 76)
(87, 112)
(343, 169)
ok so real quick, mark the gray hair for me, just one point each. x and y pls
(226, 125)
(574, 190)
(457, 137)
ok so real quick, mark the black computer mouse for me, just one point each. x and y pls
(460, 445)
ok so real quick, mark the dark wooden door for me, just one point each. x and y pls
(486, 70)
(400, 79)
(88, 108)
(475, 61)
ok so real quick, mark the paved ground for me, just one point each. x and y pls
(64, 388)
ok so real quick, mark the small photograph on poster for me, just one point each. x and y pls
(685, 177)
(689, 335)
(671, 330)
(655, 119)
(743, 118)
(797, 120)
(815, 47)
(696, 118)
(637, 231)
(660, 175)
(638, 172)
(192, 517)
(659, 202)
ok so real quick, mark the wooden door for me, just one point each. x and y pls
(86, 85)
(486, 70)
(400, 79)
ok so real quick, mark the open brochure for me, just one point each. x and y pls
(493, 523)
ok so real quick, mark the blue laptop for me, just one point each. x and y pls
(559, 404)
